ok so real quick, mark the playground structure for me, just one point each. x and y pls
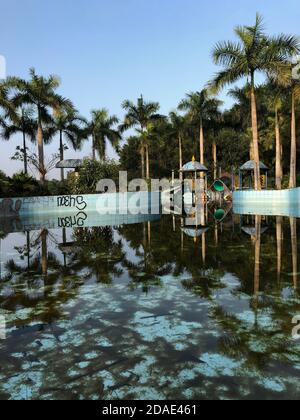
(193, 198)
(247, 171)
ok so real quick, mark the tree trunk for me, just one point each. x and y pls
(203, 248)
(257, 254)
(214, 153)
(279, 239)
(251, 151)
(293, 181)
(147, 161)
(143, 161)
(28, 248)
(201, 142)
(40, 142)
(61, 151)
(25, 153)
(257, 181)
(180, 157)
(278, 171)
(294, 241)
(149, 235)
(44, 235)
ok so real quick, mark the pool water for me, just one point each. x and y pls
(151, 311)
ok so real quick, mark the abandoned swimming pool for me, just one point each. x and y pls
(148, 308)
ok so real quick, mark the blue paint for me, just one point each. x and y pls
(273, 202)
(105, 204)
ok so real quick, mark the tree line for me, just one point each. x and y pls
(260, 125)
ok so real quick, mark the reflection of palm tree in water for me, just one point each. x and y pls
(99, 252)
(204, 248)
(2, 236)
(293, 225)
(41, 276)
(44, 249)
(151, 263)
(279, 240)
(256, 239)
(35, 251)
(257, 244)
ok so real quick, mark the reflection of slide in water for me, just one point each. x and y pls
(59, 220)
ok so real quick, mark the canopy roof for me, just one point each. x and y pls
(193, 166)
(251, 230)
(69, 164)
(195, 232)
(250, 166)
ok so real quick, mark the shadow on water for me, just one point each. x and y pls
(158, 309)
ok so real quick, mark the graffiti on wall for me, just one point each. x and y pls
(69, 201)
(9, 208)
(72, 221)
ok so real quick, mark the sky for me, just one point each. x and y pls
(106, 51)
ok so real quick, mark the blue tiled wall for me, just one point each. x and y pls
(284, 202)
(137, 203)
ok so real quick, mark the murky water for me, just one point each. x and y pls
(151, 310)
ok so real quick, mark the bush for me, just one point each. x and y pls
(56, 187)
(3, 183)
(91, 172)
(22, 185)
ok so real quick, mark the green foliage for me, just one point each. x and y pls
(253, 52)
(91, 172)
(102, 129)
(23, 185)
(26, 105)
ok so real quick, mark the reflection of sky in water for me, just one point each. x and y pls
(137, 314)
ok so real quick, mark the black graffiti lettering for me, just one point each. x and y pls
(81, 217)
(81, 204)
(72, 202)
(72, 221)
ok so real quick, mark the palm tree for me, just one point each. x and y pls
(140, 115)
(2, 122)
(179, 126)
(294, 241)
(22, 122)
(101, 128)
(5, 103)
(254, 52)
(200, 107)
(275, 97)
(288, 80)
(67, 123)
(293, 85)
(39, 92)
(295, 88)
(242, 110)
(279, 241)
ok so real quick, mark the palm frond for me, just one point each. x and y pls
(226, 53)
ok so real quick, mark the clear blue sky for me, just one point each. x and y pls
(106, 51)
